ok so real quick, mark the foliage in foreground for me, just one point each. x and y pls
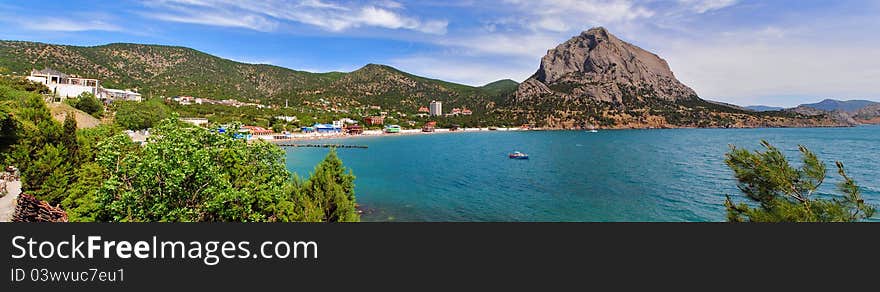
(185, 173)
(784, 193)
(134, 115)
(88, 103)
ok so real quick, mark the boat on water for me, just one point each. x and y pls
(593, 131)
(391, 129)
(518, 155)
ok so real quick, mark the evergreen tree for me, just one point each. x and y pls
(784, 193)
(68, 135)
(48, 176)
(331, 189)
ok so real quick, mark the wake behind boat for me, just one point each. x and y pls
(518, 155)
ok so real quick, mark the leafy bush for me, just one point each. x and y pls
(187, 173)
(133, 115)
(88, 103)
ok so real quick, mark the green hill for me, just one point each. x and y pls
(156, 70)
(503, 87)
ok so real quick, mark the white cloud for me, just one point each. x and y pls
(703, 6)
(564, 15)
(753, 73)
(464, 70)
(530, 46)
(268, 15)
(220, 18)
(68, 25)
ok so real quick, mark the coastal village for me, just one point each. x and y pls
(63, 86)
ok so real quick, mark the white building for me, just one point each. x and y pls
(436, 108)
(116, 94)
(195, 121)
(64, 86)
(289, 119)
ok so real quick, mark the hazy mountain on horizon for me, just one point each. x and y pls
(841, 105)
(764, 108)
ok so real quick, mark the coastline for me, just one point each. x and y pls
(380, 133)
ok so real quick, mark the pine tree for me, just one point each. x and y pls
(784, 193)
(68, 135)
(48, 177)
(331, 189)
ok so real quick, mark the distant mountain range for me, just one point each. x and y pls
(764, 108)
(592, 80)
(855, 111)
(837, 105)
(156, 70)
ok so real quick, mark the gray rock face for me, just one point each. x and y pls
(837, 115)
(869, 112)
(598, 65)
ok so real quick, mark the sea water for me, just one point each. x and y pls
(613, 175)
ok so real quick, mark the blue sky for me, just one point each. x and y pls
(744, 52)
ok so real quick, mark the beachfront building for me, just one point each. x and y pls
(436, 108)
(429, 126)
(322, 129)
(354, 130)
(374, 120)
(254, 130)
(63, 85)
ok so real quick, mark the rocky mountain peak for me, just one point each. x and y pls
(597, 65)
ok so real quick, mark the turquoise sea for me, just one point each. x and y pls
(614, 175)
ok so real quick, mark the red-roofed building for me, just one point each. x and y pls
(374, 120)
(258, 130)
(424, 109)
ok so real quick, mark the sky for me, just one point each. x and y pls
(780, 53)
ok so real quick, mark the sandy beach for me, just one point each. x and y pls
(377, 133)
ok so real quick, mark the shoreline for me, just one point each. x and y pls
(380, 133)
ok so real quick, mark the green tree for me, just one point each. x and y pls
(48, 176)
(331, 188)
(188, 173)
(68, 135)
(88, 103)
(784, 193)
(133, 115)
(80, 201)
